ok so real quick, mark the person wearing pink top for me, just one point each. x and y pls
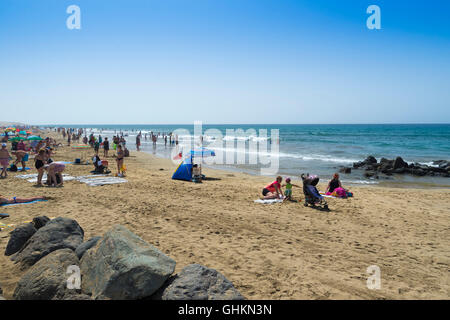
(273, 190)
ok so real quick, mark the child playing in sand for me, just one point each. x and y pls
(288, 191)
(4, 160)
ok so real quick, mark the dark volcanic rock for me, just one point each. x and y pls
(399, 163)
(345, 170)
(370, 160)
(82, 248)
(57, 234)
(123, 266)
(40, 221)
(18, 237)
(196, 282)
(47, 279)
(78, 296)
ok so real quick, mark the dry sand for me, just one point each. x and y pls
(280, 251)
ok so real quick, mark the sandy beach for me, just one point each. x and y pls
(279, 251)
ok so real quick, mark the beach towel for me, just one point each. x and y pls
(5, 226)
(26, 176)
(100, 181)
(44, 178)
(327, 195)
(15, 204)
(268, 201)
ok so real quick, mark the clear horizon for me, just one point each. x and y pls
(225, 61)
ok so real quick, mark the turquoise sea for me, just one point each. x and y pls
(319, 149)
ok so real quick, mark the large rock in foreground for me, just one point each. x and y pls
(47, 279)
(123, 266)
(40, 221)
(18, 237)
(57, 234)
(85, 246)
(196, 282)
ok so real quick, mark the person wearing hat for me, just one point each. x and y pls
(4, 160)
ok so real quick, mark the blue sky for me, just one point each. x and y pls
(224, 61)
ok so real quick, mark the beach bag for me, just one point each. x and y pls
(13, 168)
(340, 192)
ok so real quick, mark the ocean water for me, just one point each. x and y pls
(319, 149)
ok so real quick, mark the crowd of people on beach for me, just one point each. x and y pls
(22, 149)
(43, 150)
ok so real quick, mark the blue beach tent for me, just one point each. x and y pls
(184, 170)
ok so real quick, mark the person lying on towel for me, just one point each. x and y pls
(4, 201)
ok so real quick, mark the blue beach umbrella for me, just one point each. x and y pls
(202, 152)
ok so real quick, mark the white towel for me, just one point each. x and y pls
(268, 201)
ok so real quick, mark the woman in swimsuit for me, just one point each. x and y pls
(39, 162)
(4, 160)
(273, 190)
(19, 200)
(119, 159)
(334, 183)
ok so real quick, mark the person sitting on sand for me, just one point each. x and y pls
(4, 201)
(288, 191)
(197, 173)
(39, 161)
(54, 173)
(4, 160)
(21, 156)
(273, 190)
(334, 183)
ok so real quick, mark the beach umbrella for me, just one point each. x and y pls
(10, 129)
(34, 138)
(202, 152)
(17, 139)
(83, 149)
(23, 132)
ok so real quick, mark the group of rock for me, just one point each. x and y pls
(118, 265)
(398, 166)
